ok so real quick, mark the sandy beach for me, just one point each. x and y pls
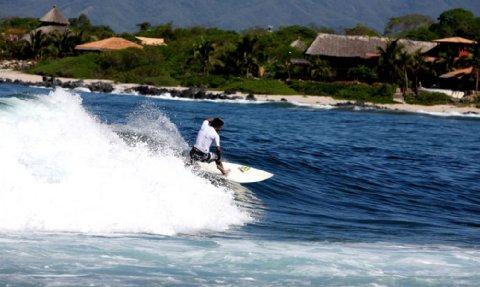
(302, 100)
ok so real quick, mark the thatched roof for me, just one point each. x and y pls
(54, 17)
(151, 41)
(46, 30)
(457, 73)
(455, 40)
(359, 46)
(109, 44)
(299, 45)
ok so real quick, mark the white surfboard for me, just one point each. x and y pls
(238, 173)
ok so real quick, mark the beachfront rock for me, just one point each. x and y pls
(194, 93)
(50, 82)
(250, 97)
(175, 93)
(72, 84)
(283, 100)
(146, 90)
(101, 87)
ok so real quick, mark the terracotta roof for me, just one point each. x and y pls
(457, 73)
(359, 46)
(456, 40)
(151, 41)
(109, 44)
(55, 17)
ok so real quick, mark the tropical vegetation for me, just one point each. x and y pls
(256, 60)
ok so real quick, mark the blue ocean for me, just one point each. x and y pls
(94, 191)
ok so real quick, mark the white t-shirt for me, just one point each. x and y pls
(206, 136)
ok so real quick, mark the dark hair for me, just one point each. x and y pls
(216, 123)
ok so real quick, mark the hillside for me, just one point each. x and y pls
(122, 15)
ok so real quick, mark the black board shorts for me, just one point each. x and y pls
(198, 155)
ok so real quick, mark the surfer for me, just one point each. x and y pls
(206, 136)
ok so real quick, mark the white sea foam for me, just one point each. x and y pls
(314, 106)
(63, 170)
(235, 262)
(168, 96)
(82, 90)
(449, 114)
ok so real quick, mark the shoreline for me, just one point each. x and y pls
(109, 86)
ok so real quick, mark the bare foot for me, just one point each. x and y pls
(226, 172)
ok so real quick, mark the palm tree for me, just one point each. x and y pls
(248, 54)
(37, 44)
(418, 67)
(205, 53)
(405, 65)
(388, 60)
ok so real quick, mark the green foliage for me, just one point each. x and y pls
(420, 34)
(347, 91)
(207, 81)
(90, 32)
(363, 73)
(25, 24)
(389, 64)
(291, 33)
(457, 22)
(320, 70)
(260, 86)
(128, 66)
(361, 30)
(398, 26)
(82, 67)
(427, 98)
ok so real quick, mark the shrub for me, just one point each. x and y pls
(362, 73)
(207, 81)
(84, 66)
(427, 98)
(381, 93)
(261, 86)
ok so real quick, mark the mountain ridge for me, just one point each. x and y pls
(123, 15)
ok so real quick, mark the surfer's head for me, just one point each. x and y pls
(216, 123)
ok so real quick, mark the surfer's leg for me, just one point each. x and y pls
(216, 157)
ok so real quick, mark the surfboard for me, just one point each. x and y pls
(238, 173)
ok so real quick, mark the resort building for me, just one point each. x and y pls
(109, 44)
(446, 55)
(52, 22)
(345, 52)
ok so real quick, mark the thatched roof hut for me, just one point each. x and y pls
(52, 22)
(54, 17)
(152, 41)
(364, 47)
(110, 44)
(299, 45)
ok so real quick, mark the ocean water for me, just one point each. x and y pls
(94, 192)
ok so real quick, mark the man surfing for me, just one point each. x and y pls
(206, 136)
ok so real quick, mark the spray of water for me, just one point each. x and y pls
(63, 170)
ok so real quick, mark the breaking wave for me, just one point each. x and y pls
(63, 170)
